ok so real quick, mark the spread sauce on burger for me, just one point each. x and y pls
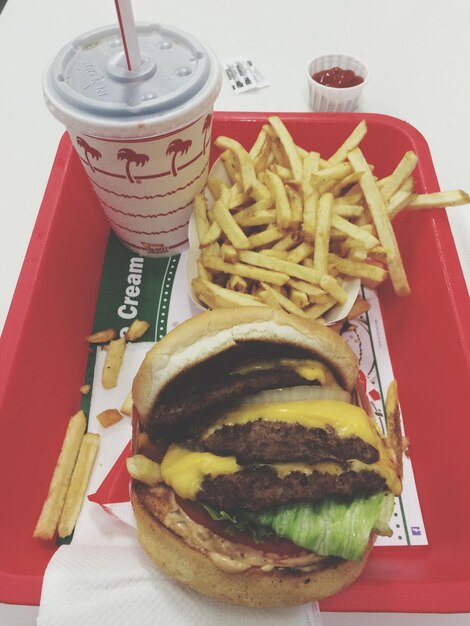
(269, 472)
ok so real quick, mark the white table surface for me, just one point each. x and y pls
(418, 53)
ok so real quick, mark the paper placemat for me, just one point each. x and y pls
(155, 290)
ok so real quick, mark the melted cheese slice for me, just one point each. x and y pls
(346, 419)
(185, 471)
(309, 369)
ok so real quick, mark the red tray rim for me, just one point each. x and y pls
(24, 589)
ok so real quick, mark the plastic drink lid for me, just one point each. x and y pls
(88, 85)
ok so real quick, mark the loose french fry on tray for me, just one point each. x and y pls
(294, 229)
(439, 199)
(102, 336)
(109, 417)
(137, 329)
(52, 508)
(394, 434)
(78, 484)
(113, 362)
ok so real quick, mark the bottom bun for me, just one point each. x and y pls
(253, 587)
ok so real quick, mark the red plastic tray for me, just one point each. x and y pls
(43, 360)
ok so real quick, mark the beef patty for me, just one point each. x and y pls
(170, 418)
(259, 487)
(263, 441)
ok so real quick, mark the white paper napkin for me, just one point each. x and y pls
(118, 585)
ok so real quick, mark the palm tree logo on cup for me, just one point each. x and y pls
(128, 155)
(205, 130)
(178, 146)
(89, 152)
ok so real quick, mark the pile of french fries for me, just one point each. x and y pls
(290, 227)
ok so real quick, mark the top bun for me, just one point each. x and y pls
(212, 332)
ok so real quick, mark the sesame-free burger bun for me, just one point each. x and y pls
(254, 587)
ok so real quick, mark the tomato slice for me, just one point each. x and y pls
(279, 547)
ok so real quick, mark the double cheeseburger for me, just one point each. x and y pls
(271, 483)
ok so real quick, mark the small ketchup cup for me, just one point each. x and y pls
(323, 97)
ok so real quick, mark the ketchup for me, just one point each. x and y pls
(337, 77)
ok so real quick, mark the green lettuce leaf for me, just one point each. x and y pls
(332, 527)
(241, 522)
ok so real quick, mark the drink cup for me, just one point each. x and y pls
(143, 136)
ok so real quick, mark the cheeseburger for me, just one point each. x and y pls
(269, 482)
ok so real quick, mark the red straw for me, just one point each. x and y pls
(129, 34)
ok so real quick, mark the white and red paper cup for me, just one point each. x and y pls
(143, 137)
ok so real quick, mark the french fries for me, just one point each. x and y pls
(126, 407)
(393, 417)
(143, 469)
(109, 417)
(78, 484)
(137, 329)
(102, 336)
(70, 477)
(115, 348)
(52, 508)
(383, 225)
(292, 228)
(112, 364)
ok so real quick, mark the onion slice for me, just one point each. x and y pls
(291, 394)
